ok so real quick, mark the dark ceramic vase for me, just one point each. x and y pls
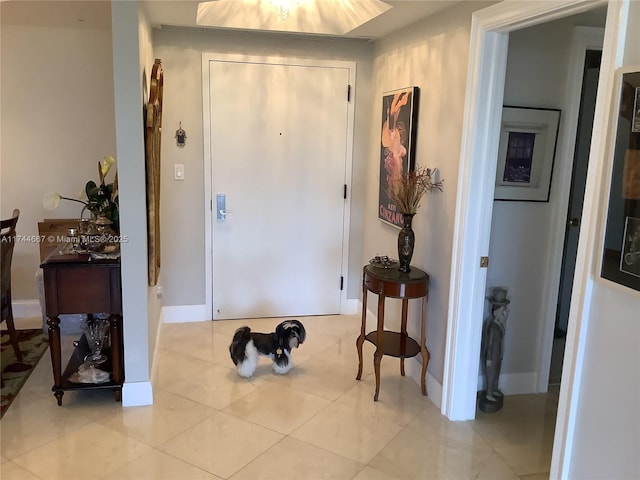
(406, 241)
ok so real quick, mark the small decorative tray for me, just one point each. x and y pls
(383, 262)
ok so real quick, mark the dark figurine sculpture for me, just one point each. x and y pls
(491, 399)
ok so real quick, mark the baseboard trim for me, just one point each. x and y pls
(26, 308)
(137, 394)
(199, 313)
(434, 390)
(350, 307)
(413, 367)
(185, 313)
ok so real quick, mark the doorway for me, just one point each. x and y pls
(279, 146)
(574, 214)
(526, 236)
(489, 45)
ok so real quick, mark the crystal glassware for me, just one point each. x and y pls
(95, 331)
(72, 237)
(85, 228)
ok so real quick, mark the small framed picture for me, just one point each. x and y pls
(526, 153)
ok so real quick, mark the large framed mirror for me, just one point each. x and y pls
(153, 133)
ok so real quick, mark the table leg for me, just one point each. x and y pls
(403, 336)
(377, 357)
(360, 339)
(116, 350)
(56, 362)
(423, 347)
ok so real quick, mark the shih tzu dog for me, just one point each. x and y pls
(246, 346)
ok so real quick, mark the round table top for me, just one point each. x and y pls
(415, 275)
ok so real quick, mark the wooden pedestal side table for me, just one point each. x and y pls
(390, 282)
(79, 284)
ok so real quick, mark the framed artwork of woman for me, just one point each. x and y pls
(397, 145)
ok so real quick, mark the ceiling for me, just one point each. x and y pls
(183, 13)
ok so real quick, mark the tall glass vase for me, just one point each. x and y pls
(95, 331)
(406, 241)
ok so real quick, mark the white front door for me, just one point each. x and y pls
(279, 152)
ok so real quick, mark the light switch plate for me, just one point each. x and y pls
(178, 171)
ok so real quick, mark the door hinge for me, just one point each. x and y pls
(348, 93)
(341, 283)
(211, 204)
(484, 262)
(345, 192)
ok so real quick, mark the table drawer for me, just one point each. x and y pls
(82, 289)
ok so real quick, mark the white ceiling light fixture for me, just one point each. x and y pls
(322, 17)
(285, 7)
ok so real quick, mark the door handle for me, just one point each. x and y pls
(574, 222)
(221, 207)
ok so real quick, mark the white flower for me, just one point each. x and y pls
(51, 200)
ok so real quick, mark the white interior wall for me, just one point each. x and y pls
(128, 65)
(57, 116)
(154, 300)
(182, 202)
(58, 120)
(432, 55)
(607, 433)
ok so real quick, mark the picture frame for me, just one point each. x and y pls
(635, 123)
(621, 249)
(526, 153)
(152, 135)
(630, 258)
(398, 127)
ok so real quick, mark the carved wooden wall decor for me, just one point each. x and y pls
(153, 133)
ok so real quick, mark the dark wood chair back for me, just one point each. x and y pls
(8, 241)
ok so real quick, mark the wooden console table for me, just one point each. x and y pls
(76, 283)
(390, 282)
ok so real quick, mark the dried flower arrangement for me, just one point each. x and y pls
(407, 189)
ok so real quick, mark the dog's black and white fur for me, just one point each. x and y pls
(246, 346)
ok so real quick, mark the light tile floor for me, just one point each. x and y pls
(317, 422)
